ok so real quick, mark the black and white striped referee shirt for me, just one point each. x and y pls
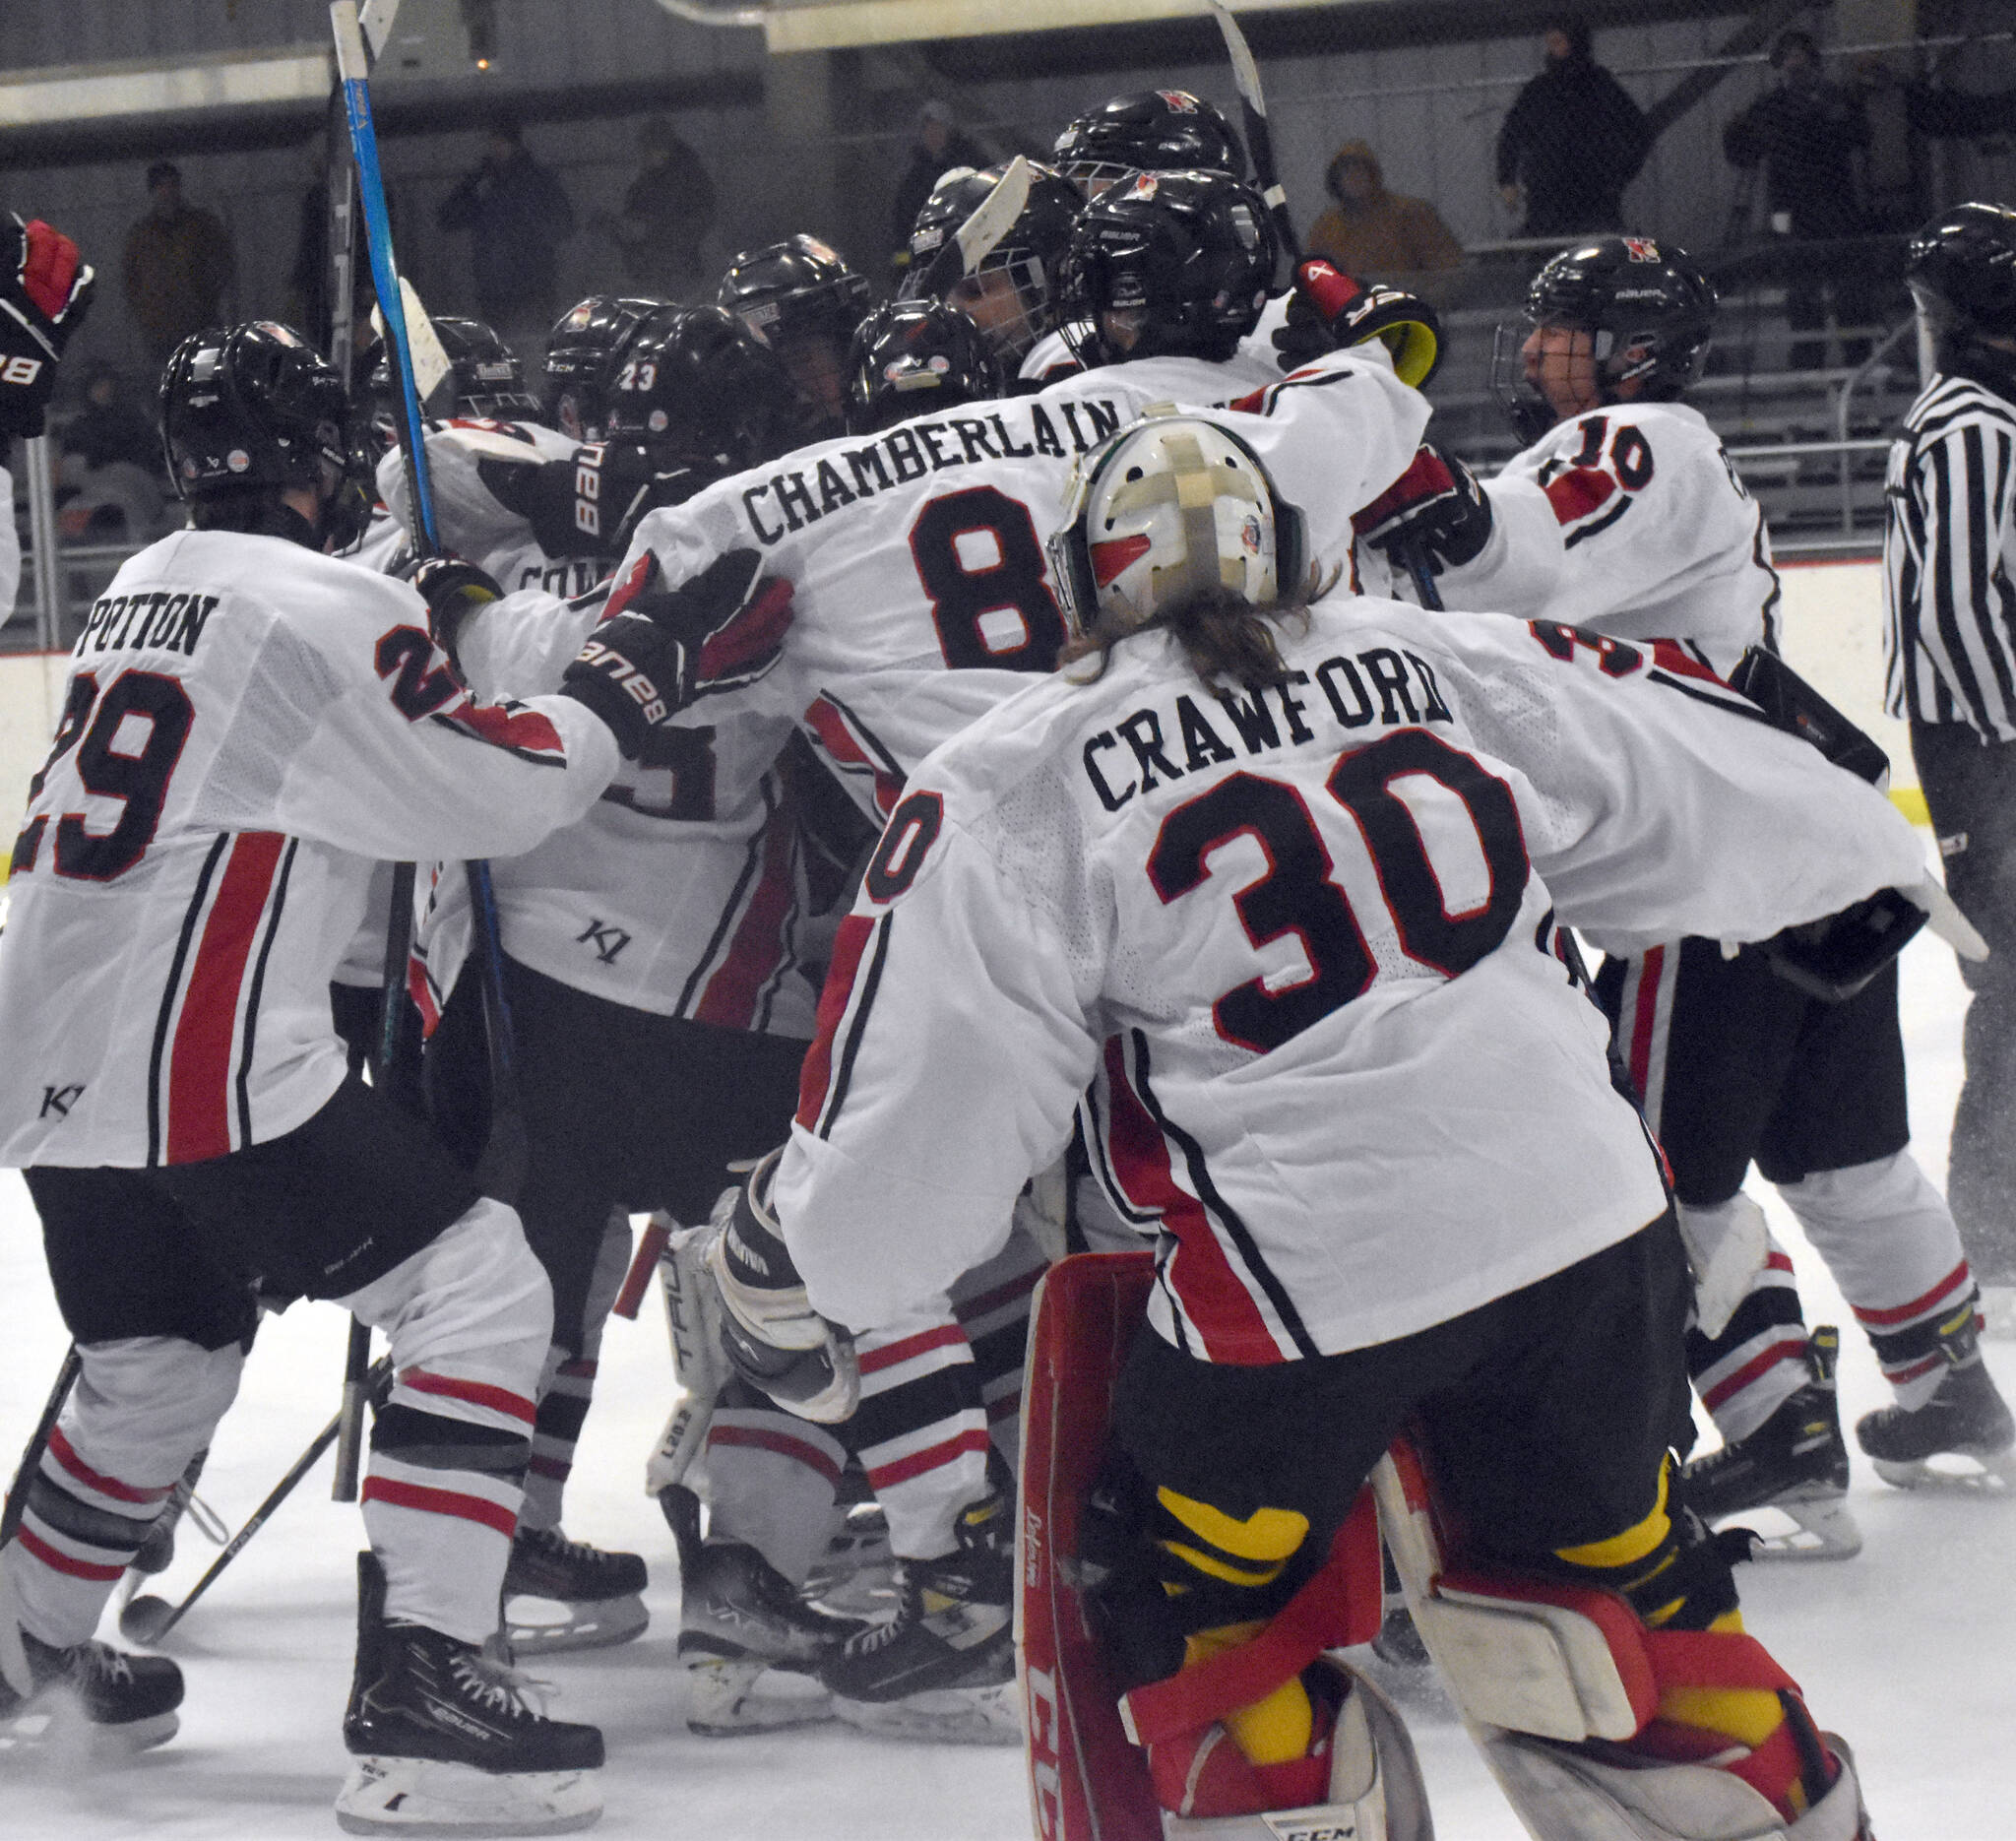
(1949, 547)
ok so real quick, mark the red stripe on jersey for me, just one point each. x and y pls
(759, 946)
(476, 1393)
(838, 740)
(848, 943)
(200, 1063)
(1792, 1351)
(1577, 493)
(1899, 1314)
(428, 1501)
(62, 1563)
(762, 1439)
(1001, 1295)
(1649, 969)
(1218, 1305)
(65, 1454)
(1671, 655)
(908, 1348)
(525, 731)
(933, 1457)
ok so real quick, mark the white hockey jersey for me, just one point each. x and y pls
(10, 548)
(247, 727)
(1302, 939)
(922, 587)
(1631, 520)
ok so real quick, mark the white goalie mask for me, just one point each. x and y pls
(1171, 508)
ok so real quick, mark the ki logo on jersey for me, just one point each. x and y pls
(59, 1100)
(607, 940)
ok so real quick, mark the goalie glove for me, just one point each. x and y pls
(773, 1337)
(1437, 508)
(45, 290)
(660, 649)
(1328, 311)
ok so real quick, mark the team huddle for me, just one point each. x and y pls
(1051, 765)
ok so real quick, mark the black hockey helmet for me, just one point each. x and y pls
(1149, 131)
(1015, 312)
(800, 299)
(252, 406)
(1184, 259)
(909, 357)
(484, 377)
(1962, 271)
(1648, 309)
(697, 389)
(577, 367)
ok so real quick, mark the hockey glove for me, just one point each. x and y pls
(1329, 312)
(589, 504)
(45, 290)
(452, 591)
(773, 1337)
(729, 619)
(1435, 507)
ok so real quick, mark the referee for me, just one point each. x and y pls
(1949, 556)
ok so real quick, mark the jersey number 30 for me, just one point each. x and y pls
(1297, 896)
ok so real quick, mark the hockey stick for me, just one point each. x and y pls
(1259, 137)
(39, 1443)
(147, 1619)
(962, 252)
(501, 1168)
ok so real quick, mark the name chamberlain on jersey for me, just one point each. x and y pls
(914, 449)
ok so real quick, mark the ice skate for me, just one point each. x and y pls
(943, 1668)
(1796, 1463)
(750, 1645)
(600, 1594)
(443, 1741)
(1962, 1438)
(114, 1701)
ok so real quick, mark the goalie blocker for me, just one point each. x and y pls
(1570, 1694)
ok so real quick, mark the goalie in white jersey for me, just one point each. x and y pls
(1285, 883)
(248, 723)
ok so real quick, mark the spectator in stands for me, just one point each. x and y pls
(667, 214)
(517, 215)
(111, 427)
(1806, 133)
(1377, 234)
(178, 263)
(1571, 142)
(940, 145)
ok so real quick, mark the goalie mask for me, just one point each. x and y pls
(1646, 310)
(1168, 511)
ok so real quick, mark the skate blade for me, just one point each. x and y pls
(727, 1697)
(950, 1716)
(1965, 1470)
(62, 1732)
(423, 1797)
(1822, 1530)
(580, 1623)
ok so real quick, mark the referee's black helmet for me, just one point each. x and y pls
(1962, 272)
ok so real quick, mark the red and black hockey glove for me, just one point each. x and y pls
(45, 290)
(1328, 310)
(658, 649)
(1437, 508)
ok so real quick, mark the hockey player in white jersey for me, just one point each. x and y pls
(248, 723)
(45, 290)
(1624, 517)
(1284, 879)
(922, 593)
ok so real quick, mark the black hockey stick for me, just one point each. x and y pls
(147, 1619)
(39, 1443)
(1259, 137)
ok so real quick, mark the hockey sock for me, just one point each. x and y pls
(569, 1383)
(1758, 1361)
(1889, 1240)
(920, 1430)
(142, 1406)
(1211, 1552)
(992, 1304)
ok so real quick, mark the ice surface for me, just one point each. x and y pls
(1909, 1650)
